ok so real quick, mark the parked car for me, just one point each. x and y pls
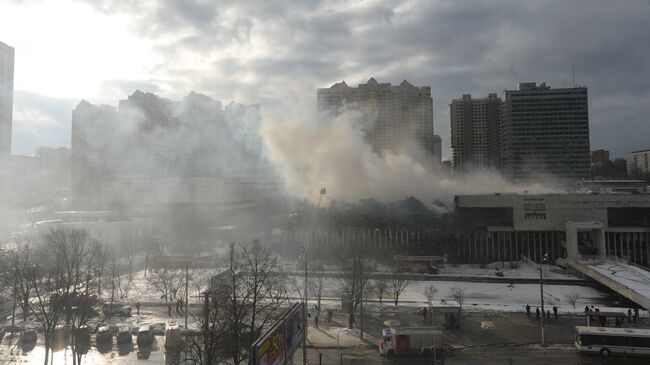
(28, 335)
(82, 335)
(104, 335)
(124, 336)
(117, 309)
(145, 335)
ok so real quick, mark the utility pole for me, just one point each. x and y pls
(323, 191)
(187, 304)
(110, 310)
(541, 292)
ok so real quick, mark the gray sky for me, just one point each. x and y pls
(277, 52)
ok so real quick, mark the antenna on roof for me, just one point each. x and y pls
(573, 74)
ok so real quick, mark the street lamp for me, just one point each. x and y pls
(323, 191)
(541, 292)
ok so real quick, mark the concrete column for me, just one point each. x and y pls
(599, 237)
(571, 243)
(517, 255)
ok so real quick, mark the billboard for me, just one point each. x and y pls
(279, 343)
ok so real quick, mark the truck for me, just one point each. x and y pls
(410, 340)
(418, 264)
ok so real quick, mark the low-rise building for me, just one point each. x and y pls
(508, 227)
(108, 227)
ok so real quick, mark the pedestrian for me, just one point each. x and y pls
(636, 315)
(137, 308)
(330, 314)
(537, 313)
(169, 310)
(527, 310)
(629, 315)
(555, 312)
(424, 313)
(548, 315)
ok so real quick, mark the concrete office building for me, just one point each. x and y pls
(399, 117)
(475, 132)
(6, 99)
(507, 227)
(638, 164)
(546, 131)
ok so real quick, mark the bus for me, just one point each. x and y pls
(609, 341)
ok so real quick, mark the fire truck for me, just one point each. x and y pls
(410, 340)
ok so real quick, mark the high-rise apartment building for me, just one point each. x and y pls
(638, 164)
(6, 99)
(475, 132)
(546, 131)
(599, 157)
(397, 118)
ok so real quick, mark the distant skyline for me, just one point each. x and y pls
(277, 53)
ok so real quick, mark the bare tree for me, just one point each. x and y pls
(166, 282)
(398, 284)
(380, 288)
(355, 269)
(430, 292)
(316, 289)
(458, 294)
(53, 276)
(572, 299)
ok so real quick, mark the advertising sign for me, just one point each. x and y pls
(271, 351)
(295, 333)
(279, 343)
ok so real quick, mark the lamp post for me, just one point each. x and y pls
(323, 191)
(541, 292)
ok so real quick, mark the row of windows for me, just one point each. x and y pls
(590, 340)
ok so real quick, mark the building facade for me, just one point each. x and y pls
(6, 99)
(638, 164)
(508, 227)
(397, 118)
(546, 131)
(475, 132)
(599, 157)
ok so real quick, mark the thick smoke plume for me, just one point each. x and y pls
(333, 153)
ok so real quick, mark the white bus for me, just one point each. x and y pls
(608, 341)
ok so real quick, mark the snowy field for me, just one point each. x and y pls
(491, 297)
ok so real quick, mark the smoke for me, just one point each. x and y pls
(313, 152)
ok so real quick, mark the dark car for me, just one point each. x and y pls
(124, 336)
(104, 335)
(117, 309)
(145, 336)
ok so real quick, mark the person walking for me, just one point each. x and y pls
(527, 310)
(330, 314)
(537, 313)
(629, 315)
(424, 314)
(636, 315)
(548, 315)
(137, 308)
(555, 312)
(169, 310)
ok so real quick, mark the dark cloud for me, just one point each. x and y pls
(278, 52)
(40, 120)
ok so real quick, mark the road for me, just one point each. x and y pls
(507, 355)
